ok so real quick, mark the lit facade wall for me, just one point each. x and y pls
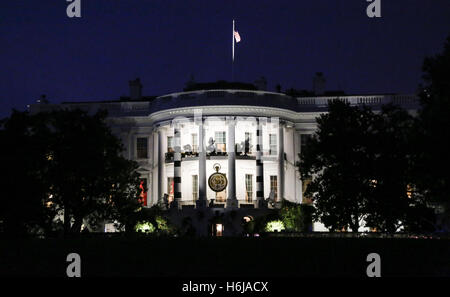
(245, 166)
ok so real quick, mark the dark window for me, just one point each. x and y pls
(274, 187)
(141, 148)
(304, 139)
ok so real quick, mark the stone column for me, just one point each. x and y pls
(160, 165)
(201, 202)
(259, 164)
(177, 165)
(280, 161)
(232, 200)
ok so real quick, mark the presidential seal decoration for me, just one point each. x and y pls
(217, 181)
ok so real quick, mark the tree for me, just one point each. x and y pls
(91, 180)
(392, 197)
(65, 162)
(337, 159)
(295, 217)
(23, 186)
(433, 160)
(362, 163)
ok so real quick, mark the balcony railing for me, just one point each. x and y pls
(169, 156)
(359, 100)
(242, 203)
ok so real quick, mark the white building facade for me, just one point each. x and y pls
(255, 137)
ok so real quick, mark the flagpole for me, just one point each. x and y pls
(232, 58)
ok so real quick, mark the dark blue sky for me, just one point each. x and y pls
(42, 51)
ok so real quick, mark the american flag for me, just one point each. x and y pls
(236, 36)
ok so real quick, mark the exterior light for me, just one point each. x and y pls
(275, 226)
(219, 229)
(145, 227)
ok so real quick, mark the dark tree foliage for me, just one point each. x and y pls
(432, 142)
(392, 201)
(23, 186)
(296, 217)
(361, 164)
(66, 163)
(337, 159)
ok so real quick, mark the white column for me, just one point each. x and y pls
(177, 165)
(232, 200)
(280, 161)
(259, 164)
(160, 164)
(201, 202)
(298, 185)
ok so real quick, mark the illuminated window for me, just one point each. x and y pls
(194, 142)
(110, 227)
(248, 142)
(219, 229)
(194, 187)
(274, 186)
(141, 147)
(272, 144)
(143, 195)
(221, 141)
(409, 191)
(249, 187)
(306, 199)
(170, 144)
(247, 219)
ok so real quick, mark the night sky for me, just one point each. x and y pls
(163, 42)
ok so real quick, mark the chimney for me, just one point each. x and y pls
(319, 84)
(261, 83)
(135, 89)
(191, 82)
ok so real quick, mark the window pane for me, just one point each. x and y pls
(249, 187)
(195, 187)
(141, 147)
(221, 141)
(274, 186)
(305, 183)
(194, 143)
(272, 144)
(170, 144)
(220, 137)
(143, 195)
(248, 142)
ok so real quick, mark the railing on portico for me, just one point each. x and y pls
(242, 203)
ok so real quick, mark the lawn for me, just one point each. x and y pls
(225, 257)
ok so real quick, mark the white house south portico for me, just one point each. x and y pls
(187, 148)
